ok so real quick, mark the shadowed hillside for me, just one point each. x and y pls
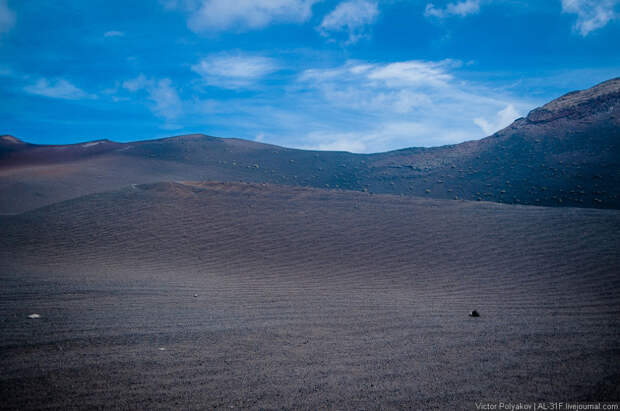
(204, 295)
(566, 153)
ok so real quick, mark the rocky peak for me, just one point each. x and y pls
(604, 97)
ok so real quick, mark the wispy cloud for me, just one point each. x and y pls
(351, 17)
(591, 14)
(382, 136)
(113, 33)
(60, 88)
(7, 18)
(241, 15)
(414, 73)
(164, 98)
(460, 8)
(503, 118)
(234, 71)
(401, 104)
(334, 141)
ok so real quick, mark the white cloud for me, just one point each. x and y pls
(369, 107)
(384, 136)
(350, 142)
(234, 71)
(113, 33)
(393, 75)
(7, 17)
(164, 98)
(138, 83)
(412, 73)
(401, 101)
(240, 15)
(60, 88)
(591, 14)
(461, 8)
(503, 119)
(351, 17)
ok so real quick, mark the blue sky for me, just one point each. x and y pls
(355, 75)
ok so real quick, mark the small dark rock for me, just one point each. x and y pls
(474, 314)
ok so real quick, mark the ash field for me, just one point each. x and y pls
(196, 272)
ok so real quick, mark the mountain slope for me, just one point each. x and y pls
(566, 153)
(212, 295)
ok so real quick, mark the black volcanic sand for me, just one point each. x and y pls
(305, 299)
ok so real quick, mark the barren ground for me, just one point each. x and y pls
(305, 299)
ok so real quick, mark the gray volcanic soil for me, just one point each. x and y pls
(305, 299)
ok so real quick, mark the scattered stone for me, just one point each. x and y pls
(34, 316)
(162, 349)
(474, 314)
(195, 295)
